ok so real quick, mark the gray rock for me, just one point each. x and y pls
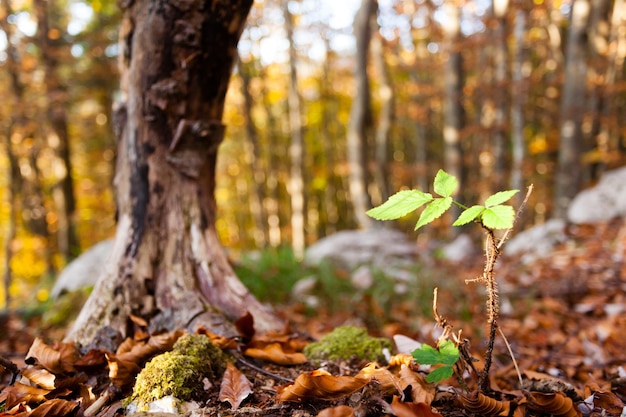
(459, 249)
(603, 202)
(536, 242)
(353, 248)
(83, 271)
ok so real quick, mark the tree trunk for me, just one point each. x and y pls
(569, 168)
(453, 108)
(500, 100)
(296, 145)
(167, 264)
(254, 149)
(383, 131)
(360, 122)
(50, 39)
(518, 99)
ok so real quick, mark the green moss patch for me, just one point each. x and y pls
(181, 372)
(348, 342)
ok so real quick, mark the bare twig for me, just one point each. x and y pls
(508, 231)
(11, 367)
(508, 346)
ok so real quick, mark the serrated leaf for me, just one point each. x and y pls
(400, 204)
(445, 184)
(426, 355)
(440, 374)
(469, 215)
(500, 197)
(498, 217)
(433, 211)
(448, 353)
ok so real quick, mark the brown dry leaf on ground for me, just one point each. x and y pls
(478, 403)
(402, 409)
(58, 359)
(235, 387)
(320, 385)
(338, 411)
(564, 320)
(275, 353)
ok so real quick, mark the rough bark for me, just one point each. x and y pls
(569, 168)
(296, 145)
(167, 264)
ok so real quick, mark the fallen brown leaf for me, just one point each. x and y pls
(387, 381)
(21, 393)
(54, 408)
(221, 342)
(122, 372)
(274, 353)
(235, 387)
(155, 345)
(320, 385)
(478, 403)
(58, 360)
(555, 403)
(40, 377)
(421, 391)
(402, 409)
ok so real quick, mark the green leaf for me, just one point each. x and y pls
(445, 184)
(500, 197)
(433, 211)
(440, 373)
(498, 217)
(448, 353)
(400, 204)
(469, 215)
(426, 355)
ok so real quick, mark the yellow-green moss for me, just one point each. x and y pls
(348, 342)
(180, 373)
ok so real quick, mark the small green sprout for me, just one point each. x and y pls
(446, 356)
(493, 214)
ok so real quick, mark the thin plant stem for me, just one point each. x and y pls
(508, 346)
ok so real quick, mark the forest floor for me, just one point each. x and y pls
(564, 316)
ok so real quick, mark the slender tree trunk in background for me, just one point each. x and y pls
(12, 192)
(272, 196)
(422, 115)
(453, 109)
(328, 132)
(13, 176)
(167, 264)
(569, 169)
(360, 124)
(616, 57)
(499, 138)
(254, 149)
(518, 144)
(383, 131)
(296, 145)
(599, 75)
(49, 40)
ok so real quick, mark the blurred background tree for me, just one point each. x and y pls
(500, 93)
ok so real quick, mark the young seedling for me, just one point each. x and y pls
(491, 216)
(446, 355)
